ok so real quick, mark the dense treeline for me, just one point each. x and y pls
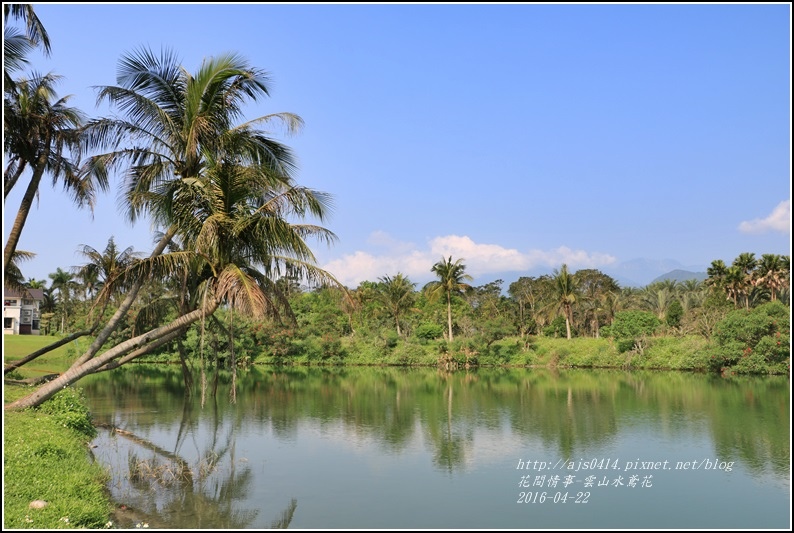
(742, 322)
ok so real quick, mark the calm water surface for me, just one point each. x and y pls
(311, 448)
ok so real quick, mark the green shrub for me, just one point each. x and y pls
(631, 328)
(14, 374)
(675, 312)
(68, 408)
(633, 324)
(408, 353)
(753, 341)
(624, 345)
(428, 331)
(557, 328)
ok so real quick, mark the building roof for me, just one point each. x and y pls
(32, 294)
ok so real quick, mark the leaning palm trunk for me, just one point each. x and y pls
(174, 335)
(11, 176)
(78, 371)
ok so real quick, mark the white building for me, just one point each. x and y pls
(21, 314)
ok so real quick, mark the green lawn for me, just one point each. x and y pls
(16, 347)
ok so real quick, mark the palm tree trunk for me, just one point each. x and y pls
(449, 315)
(25, 205)
(77, 372)
(10, 180)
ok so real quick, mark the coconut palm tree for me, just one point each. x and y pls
(104, 270)
(64, 283)
(773, 273)
(238, 241)
(692, 293)
(16, 44)
(746, 263)
(33, 283)
(13, 275)
(34, 29)
(734, 284)
(396, 295)
(566, 294)
(657, 297)
(224, 190)
(173, 123)
(716, 273)
(452, 279)
(42, 134)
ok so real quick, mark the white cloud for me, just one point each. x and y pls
(480, 259)
(778, 220)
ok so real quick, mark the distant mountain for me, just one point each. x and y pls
(642, 272)
(681, 275)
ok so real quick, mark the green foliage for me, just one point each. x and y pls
(632, 324)
(680, 353)
(331, 349)
(675, 312)
(625, 345)
(494, 329)
(556, 328)
(409, 353)
(629, 327)
(389, 339)
(753, 341)
(14, 374)
(68, 408)
(427, 331)
(502, 352)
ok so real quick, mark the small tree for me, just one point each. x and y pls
(629, 326)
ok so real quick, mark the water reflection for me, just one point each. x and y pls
(369, 420)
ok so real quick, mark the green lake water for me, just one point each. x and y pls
(394, 448)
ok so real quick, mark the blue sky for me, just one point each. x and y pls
(515, 136)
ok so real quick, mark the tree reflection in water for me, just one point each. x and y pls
(463, 422)
(161, 489)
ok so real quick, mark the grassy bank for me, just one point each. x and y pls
(46, 458)
(45, 451)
